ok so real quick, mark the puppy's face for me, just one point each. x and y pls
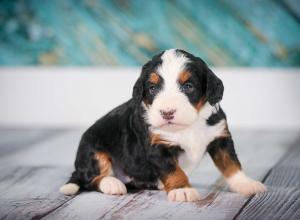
(172, 88)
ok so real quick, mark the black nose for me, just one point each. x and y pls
(168, 115)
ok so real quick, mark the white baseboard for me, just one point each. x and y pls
(75, 97)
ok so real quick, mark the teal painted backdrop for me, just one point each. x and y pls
(127, 33)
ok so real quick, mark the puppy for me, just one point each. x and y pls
(157, 138)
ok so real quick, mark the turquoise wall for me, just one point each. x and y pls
(127, 33)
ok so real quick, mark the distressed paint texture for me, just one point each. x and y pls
(30, 178)
(127, 33)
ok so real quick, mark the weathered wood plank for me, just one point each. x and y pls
(282, 202)
(13, 140)
(217, 202)
(30, 192)
(57, 151)
(29, 182)
(145, 205)
(118, 32)
(93, 205)
(292, 7)
(278, 19)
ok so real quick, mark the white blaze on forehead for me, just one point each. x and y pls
(172, 65)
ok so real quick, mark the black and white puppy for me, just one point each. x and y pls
(157, 138)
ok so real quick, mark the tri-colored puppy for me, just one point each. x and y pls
(157, 138)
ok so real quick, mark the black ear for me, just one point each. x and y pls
(138, 89)
(214, 87)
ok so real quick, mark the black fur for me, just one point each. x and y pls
(124, 135)
(196, 80)
(216, 117)
(224, 145)
(212, 86)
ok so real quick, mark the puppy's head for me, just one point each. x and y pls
(173, 87)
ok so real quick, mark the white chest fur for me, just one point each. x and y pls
(193, 140)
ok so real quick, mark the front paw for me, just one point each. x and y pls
(183, 195)
(244, 185)
(112, 186)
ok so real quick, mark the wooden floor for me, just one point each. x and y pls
(35, 163)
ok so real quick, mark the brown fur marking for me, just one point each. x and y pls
(225, 164)
(105, 167)
(154, 78)
(156, 139)
(175, 180)
(200, 104)
(184, 76)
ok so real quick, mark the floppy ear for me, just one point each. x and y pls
(214, 87)
(138, 89)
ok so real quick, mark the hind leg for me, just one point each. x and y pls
(93, 171)
(72, 187)
(97, 174)
(86, 168)
(106, 182)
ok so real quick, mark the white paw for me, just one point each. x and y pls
(244, 185)
(69, 189)
(160, 185)
(112, 186)
(183, 195)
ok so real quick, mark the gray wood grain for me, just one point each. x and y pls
(147, 205)
(283, 200)
(30, 179)
(29, 182)
(13, 140)
(30, 192)
(217, 203)
(59, 150)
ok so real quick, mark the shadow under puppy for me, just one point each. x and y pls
(157, 138)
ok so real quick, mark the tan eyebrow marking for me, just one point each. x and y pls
(184, 76)
(154, 78)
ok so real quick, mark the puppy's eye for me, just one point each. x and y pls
(153, 90)
(187, 88)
